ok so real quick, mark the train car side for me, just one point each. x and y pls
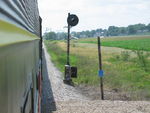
(19, 71)
(20, 57)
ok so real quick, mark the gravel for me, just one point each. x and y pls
(99, 106)
(60, 98)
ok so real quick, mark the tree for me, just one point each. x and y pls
(61, 35)
(140, 26)
(123, 30)
(131, 29)
(113, 30)
(50, 36)
(148, 27)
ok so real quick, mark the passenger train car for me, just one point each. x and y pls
(20, 56)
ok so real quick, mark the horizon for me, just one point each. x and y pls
(94, 14)
(49, 30)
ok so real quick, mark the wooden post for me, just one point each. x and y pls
(100, 67)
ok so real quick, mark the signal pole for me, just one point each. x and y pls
(68, 44)
(70, 71)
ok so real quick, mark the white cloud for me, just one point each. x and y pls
(94, 13)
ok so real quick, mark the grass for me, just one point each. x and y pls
(58, 55)
(125, 70)
(140, 43)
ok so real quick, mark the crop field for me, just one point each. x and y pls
(127, 68)
(133, 43)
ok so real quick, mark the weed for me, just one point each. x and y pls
(73, 45)
(142, 59)
(125, 55)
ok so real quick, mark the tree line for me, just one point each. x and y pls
(135, 29)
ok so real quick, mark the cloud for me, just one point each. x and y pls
(94, 13)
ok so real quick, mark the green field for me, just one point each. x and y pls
(133, 43)
(125, 70)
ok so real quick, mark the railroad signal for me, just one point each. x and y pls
(70, 72)
(72, 20)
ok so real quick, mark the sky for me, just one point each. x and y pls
(93, 14)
